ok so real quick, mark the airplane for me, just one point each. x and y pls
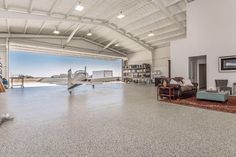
(78, 78)
(81, 77)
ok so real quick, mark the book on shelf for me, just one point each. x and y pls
(137, 72)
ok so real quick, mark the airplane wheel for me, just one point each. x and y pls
(70, 92)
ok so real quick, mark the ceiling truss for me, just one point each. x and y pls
(72, 35)
(51, 15)
(161, 6)
(25, 15)
(33, 36)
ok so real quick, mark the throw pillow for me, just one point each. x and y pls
(173, 82)
(187, 82)
(164, 83)
(180, 83)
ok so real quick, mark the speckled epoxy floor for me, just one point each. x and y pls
(112, 120)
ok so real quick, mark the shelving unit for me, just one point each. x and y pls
(138, 73)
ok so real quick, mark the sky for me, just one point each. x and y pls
(44, 65)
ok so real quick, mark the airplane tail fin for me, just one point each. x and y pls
(69, 77)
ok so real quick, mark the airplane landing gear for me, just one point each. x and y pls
(93, 86)
(70, 91)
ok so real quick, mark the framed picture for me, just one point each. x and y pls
(227, 64)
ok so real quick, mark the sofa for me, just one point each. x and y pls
(180, 89)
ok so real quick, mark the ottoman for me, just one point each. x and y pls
(213, 96)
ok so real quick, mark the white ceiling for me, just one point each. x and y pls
(165, 18)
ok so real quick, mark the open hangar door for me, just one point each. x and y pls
(77, 48)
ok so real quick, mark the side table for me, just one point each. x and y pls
(166, 92)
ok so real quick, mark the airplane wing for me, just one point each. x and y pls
(105, 79)
(57, 81)
(94, 81)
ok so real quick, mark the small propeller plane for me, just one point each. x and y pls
(81, 77)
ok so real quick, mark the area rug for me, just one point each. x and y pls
(228, 106)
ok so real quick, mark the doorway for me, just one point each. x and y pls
(202, 76)
(198, 71)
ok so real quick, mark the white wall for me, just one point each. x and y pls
(140, 57)
(160, 60)
(211, 31)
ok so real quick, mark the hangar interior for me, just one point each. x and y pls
(122, 119)
(143, 35)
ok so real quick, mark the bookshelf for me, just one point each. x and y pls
(137, 73)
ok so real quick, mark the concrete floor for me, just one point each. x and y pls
(111, 120)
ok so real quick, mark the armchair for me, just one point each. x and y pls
(222, 85)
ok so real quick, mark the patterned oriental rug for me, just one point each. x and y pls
(228, 106)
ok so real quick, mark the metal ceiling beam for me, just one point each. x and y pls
(155, 29)
(173, 3)
(169, 38)
(32, 36)
(14, 14)
(144, 25)
(45, 47)
(152, 13)
(140, 19)
(26, 26)
(160, 34)
(103, 41)
(68, 29)
(72, 35)
(130, 36)
(99, 38)
(41, 27)
(129, 10)
(8, 26)
(96, 4)
(105, 33)
(5, 4)
(52, 7)
(71, 9)
(110, 43)
(161, 6)
(30, 6)
(145, 32)
(165, 37)
(166, 44)
(33, 16)
(98, 44)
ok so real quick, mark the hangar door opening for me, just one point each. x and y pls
(39, 69)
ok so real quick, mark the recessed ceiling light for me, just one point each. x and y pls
(56, 31)
(121, 15)
(117, 45)
(79, 7)
(89, 33)
(151, 34)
